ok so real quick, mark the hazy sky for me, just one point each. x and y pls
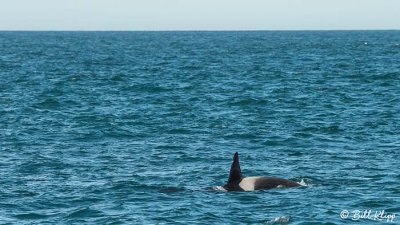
(198, 14)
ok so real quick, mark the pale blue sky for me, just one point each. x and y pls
(198, 14)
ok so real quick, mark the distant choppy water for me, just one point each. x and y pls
(136, 127)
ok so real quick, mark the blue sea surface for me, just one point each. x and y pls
(140, 127)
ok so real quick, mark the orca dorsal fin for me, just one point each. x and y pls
(235, 175)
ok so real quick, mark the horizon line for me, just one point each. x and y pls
(191, 30)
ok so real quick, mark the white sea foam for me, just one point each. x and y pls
(279, 220)
(303, 183)
(218, 188)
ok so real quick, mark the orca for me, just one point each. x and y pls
(236, 181)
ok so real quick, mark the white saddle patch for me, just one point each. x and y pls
(248, 183)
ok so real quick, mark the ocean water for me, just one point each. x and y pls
(140, 127)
